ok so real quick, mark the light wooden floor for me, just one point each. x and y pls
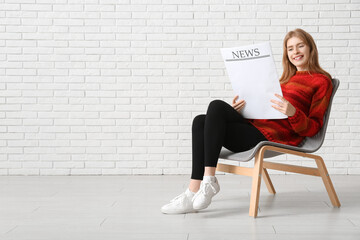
(128, 207)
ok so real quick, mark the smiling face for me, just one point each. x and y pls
(298, 53)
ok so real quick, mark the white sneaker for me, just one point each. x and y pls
(208, 189)
(181, 204)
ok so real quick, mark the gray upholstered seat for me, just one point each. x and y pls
(309, 145)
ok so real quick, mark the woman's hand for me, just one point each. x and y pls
(238, 105)
(284, 106)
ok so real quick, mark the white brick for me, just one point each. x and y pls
(54, 143)
(147, 171)
(19, 72)
(147, 143)
(117, 171)
(40, 136)
(57, 158)
(131, 164)
(335, 14)
(22, 129)
(84, 172)
(23, 157)
(334, 29)
(9, 7)
(62, 165)
(318, 7)
(177, 170)
(98, 165)
(10, 165)
(272, 15)
(354, 171)
(93, 150)
(8, 122)
(10, 21)
(101, 8)
(24, 172)
(3, 172)
(162, 164)
(187, 2)
(54, 172)
(36, 7)
(37, 165)
(68, 8)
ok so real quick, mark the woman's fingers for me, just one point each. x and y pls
(277, 102)
(239, 105)
(280, 97)
(235, 98)
(278, 108)
(284, 107)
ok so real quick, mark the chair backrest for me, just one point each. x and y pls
(312, 144)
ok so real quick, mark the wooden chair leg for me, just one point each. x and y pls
(267, 181)
(327, 181)
(256, 182)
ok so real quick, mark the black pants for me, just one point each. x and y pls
(221, 126)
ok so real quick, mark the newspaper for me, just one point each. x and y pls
(253, 77)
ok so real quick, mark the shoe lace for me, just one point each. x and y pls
(179, 198)
(206, 187)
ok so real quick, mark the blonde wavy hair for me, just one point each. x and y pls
(313, 62)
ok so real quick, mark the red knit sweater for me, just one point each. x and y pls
(310, 95)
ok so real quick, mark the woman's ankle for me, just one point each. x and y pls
(194, 185)
(209, 179)
(210, 171)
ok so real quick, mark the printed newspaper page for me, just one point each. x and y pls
(253, 77)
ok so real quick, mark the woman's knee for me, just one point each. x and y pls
(216, 106)
(198, 122)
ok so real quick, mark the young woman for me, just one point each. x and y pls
(306, 89)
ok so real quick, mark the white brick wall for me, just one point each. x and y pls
(111, 86)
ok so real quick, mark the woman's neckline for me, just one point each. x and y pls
(303, 72)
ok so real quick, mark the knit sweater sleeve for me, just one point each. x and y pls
(309, 124)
